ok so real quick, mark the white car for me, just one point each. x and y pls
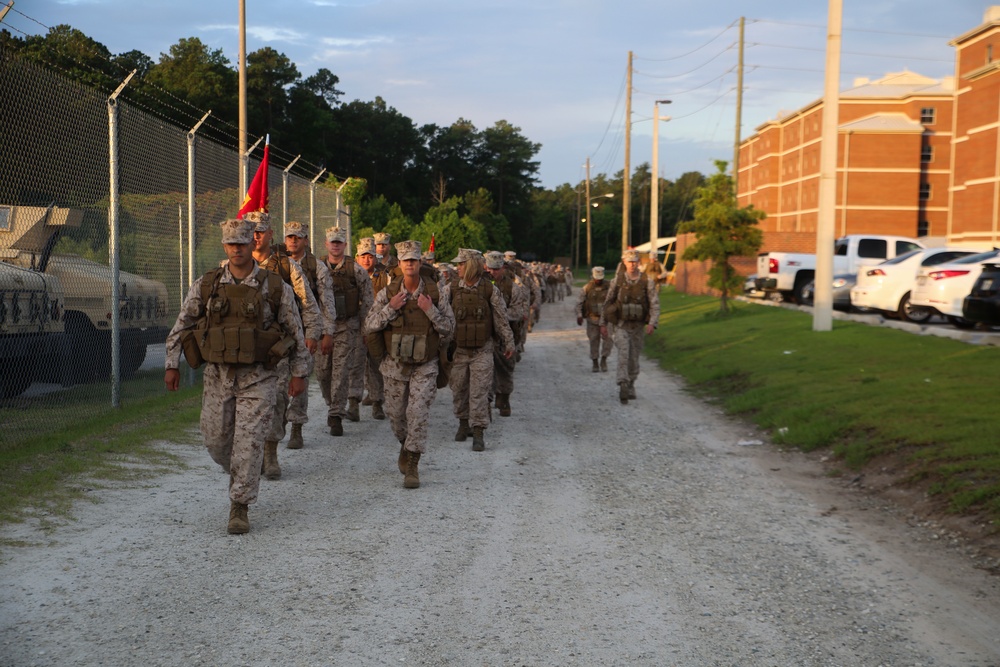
(943, 288)
(886, 286)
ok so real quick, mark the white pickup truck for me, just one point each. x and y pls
(787, 272)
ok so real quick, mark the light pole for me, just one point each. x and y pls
(654, 196)
(593, 203)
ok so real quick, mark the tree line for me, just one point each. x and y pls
(469, 187)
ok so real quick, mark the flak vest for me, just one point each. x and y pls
(632, 299)
(411, 337)
(230, 329)
(506, 287)
(379, 277)
(593, 302)
(346, 293)
(473, 313)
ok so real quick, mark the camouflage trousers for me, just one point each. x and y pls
(237, 407)
(333, 371)
(373, 378)
(356, 370)
(410, 390)
(471, 383)
(503, 374)
(283, 375)
(597, 341)
(629, 339)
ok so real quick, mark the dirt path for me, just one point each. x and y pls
(588, 533)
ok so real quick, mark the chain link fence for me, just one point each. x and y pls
(91, 189)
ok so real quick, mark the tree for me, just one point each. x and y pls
(198, 75)
(269, 74)
(69, 51)
(507, 169)
(479, 206)
(723, 231)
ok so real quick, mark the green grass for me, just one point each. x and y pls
(868, 394)
(80, 442)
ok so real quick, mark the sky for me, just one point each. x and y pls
(556, 69)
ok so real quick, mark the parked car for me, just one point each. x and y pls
(983, 303)
(842, 285)
(943, 288)
(887, 286)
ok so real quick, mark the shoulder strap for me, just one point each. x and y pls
(210, 285)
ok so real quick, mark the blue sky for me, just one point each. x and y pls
(554, 68)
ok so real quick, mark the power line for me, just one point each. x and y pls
(865, 30)
(684, 55)
(850, 53)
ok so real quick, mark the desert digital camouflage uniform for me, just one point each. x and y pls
(515, 296)
(312, 322)
(298, 407)
(410, 389)
(630, 335)
(238, 399)
(593, 294)
(373, 376)
(333, 369)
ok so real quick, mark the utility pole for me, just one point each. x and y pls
(826, 220)
(626, 187)
(589, 259)
(654, 195)
(739, 113)
(243, 102)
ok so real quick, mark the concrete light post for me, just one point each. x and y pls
(654, 196)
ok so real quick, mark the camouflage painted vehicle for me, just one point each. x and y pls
(31, 327)
(81, 290)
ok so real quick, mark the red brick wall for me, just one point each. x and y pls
(692, 277)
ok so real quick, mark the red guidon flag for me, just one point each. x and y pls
(431, 248)
(256, 199)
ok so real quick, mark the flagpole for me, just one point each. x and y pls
(244, 158)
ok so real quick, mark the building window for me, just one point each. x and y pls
(923, 228)
(989, 54)
(927, 116)
(926, 153)
(925, 191)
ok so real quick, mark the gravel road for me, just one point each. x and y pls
(588, 533)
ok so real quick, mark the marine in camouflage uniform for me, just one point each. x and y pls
(312, 323)
(383, 251)
(414, 327)
(238, 398)
(515, 297)
(352, 290)
(589, 306)
(366, 257)
(318, 276)
(634, 302)
(480, 315)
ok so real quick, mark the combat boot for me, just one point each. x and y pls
(412, 478)
(631, 389)
(604, 364)
(367, 400)
(402, 458)
(478, 444)
(377, 412)
(270, 467)
(295, 439)
(336, 426)
(352, 410)
(463, 430)
(596, 368)
(239, 523)
(503, 404)
(623, 392)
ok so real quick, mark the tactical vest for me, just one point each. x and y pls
(379, 276)
(593, 301)
(633, 299)
(346, 293)
(411, 337)
(278, 263)
(506, 287)
(231, 323)
(426, 271)
(473, 313)
(308, 264)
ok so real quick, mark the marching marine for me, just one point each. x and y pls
(589, 306)
(366, 257)
(240, 319)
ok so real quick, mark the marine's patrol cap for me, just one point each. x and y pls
(494, 259)
(510, 255)
(408, 250)
(366, 246)
(630, 255)
(336, 234)
(238, 232)
(260, 219)
(382, 238)
(597, 273)
(296, 229)
(464, 255)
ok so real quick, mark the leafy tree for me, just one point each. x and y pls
(324, 84)
(507, 169)
(451, 151)
(75, 55)
(479, 206)
(724, 231)
(203, 77)
(269, 74)
(677, 201)
(450, 229)
(134, 60)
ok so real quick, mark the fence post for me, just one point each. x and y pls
(312, 209)
(114, 258)
(191, 200)
(284, 192)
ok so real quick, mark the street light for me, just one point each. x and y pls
(592, 201)
(654, 197)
